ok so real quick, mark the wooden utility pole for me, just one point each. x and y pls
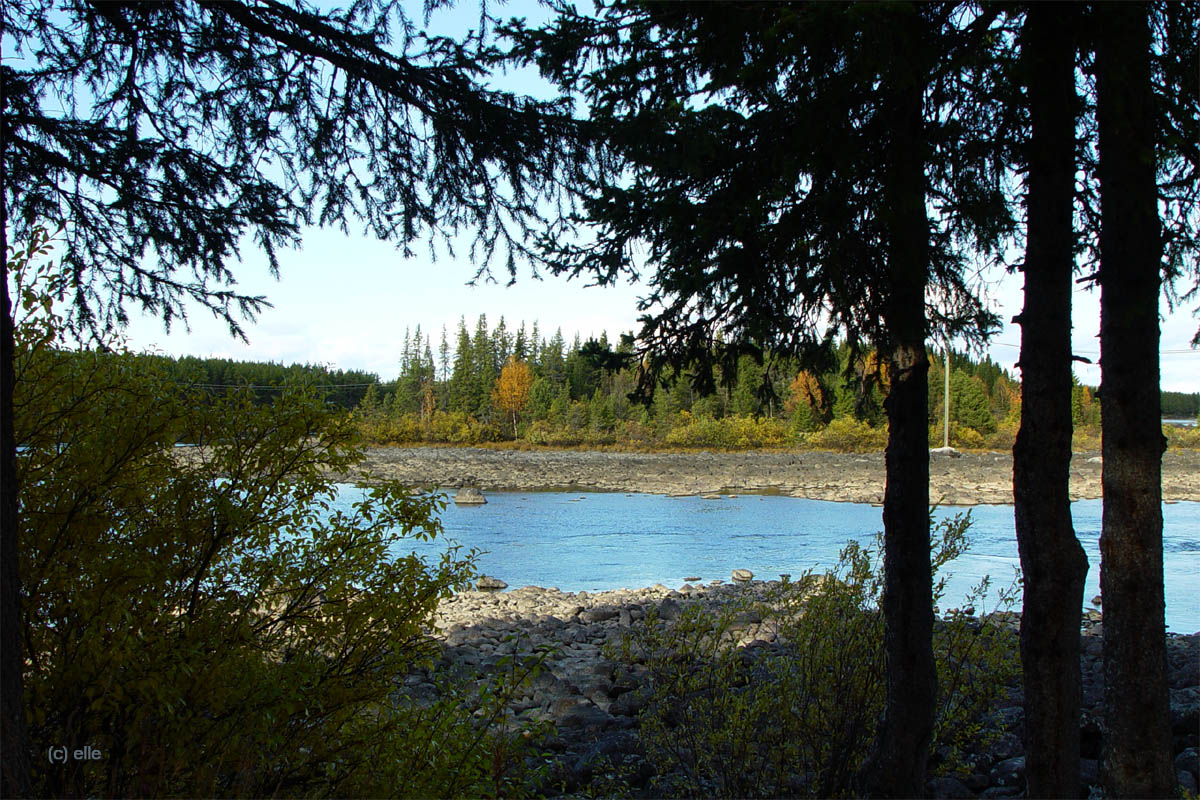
(946, 402)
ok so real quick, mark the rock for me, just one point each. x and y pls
(1012, 720)
(1006, 746)
(487, 583)
(610, 750)
(1089, 773)
(1185, 710)
(582, 714)
(1183, 656)
(947, 787)
(1001, 791)
(1189, 761)
(629, 704)
(598, 614)
(692, 579)
(469, 496)
(591, 694)
(945, 451)
(1009, 773)
(977, 782)
(668, 610)
(1187, 782)
(743, 575)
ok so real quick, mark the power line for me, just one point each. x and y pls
(1183, 351)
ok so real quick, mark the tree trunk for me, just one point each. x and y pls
(896, 764)
(1052, 560)
(1137, 743)
(14, 738)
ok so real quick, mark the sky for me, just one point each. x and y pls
(346, 301)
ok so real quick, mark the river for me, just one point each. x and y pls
(596, 541)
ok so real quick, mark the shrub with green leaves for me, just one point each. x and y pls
(204, 618)
(796, 718)
(848, 435)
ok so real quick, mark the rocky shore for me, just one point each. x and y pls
(593, 698)
(966, 479)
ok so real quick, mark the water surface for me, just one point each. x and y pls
(598, 541)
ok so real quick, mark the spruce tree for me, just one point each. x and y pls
(776, 161)
(207, 126)
(1136, 761)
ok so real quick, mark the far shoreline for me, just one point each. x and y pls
(969, 478)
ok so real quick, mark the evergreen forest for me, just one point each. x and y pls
(494, 384)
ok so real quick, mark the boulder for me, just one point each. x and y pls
(469, 496)
(1185, 710)
(599, 614)
(1009, 772)
(668, 610)
(1187, 783)
(1189, 761)
(573, 713)
(948, 787)
(486, 583)
(1089, 773)
(743, 575)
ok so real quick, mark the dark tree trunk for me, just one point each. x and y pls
(14, 739)
(1052, 560)
(1137, 756)
(896, 764)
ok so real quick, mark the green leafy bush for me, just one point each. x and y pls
(202, 617)
(735, 432)
(1180, 437)
(848, 435)
(796, 720)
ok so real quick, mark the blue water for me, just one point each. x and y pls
(603, 541)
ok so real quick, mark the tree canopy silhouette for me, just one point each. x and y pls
(772, 167)
(165, 137)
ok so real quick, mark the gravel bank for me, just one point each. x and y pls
(969, 479)
(594, 702)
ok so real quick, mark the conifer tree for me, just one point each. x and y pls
(484, 369)
(777, 160)
(208, 125)
(459, 396)
(1136, 761)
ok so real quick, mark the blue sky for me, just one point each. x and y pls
(346, 300)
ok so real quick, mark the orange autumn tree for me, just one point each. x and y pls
(806, 400)
(511, 392)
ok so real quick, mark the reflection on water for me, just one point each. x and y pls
(607, 541)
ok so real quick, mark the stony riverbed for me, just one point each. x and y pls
(593, 701)
(967, 479)
(593, 698)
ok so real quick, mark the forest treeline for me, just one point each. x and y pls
(492, 384)
(262, 379)
(1181, 405)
